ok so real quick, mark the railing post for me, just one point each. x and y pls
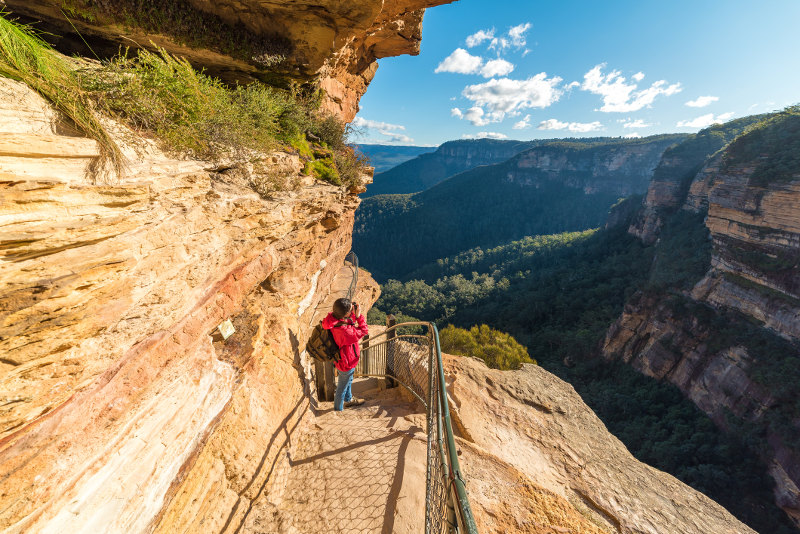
(330, 382)
(390, 351)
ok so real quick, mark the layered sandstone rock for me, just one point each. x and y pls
(537, 424)
(123, 408)
(331, 42)
(624, 169)
(693, 161)
(754, 270)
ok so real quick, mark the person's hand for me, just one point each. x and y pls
(356, 310)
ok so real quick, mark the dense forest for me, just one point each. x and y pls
(557, 294)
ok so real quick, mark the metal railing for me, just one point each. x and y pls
(352, 260)
(410, 355)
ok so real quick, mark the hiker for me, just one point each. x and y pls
(347, 326)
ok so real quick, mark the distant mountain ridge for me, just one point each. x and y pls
(453, 157)
(554, 187)
(385, 157)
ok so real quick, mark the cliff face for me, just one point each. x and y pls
(450, 158)
(756, 260)
(700, 340)
(333, 43)
(123, 409)
(538, 425)
(624, 169)
(678, 169)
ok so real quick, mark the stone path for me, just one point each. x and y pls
(358, 471)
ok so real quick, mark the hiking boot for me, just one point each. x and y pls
(354, 402)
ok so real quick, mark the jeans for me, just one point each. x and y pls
(343, 393)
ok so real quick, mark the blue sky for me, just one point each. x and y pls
(570, 68)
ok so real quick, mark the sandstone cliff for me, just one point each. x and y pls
(335, 44)
(541, 427)
(623, 169)
(123, 409)
(718, 341)
(550, 155)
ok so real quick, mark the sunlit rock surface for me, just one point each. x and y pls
(335, 43)
(538, 424)
(123, 409)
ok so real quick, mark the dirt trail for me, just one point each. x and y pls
(360, 471)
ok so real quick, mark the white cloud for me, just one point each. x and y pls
(639, 76)
(475, 115)
(485, 135)
(455, 112)
(524, 123)
(376, 125)
(702, 101)
(501, 96)
(396, 137)
(478, 37)
(499, 44)
(517, 34)
(634, 135)
(460, 61)
(514, 37)
(638, 123)
(555, 124)
(390, 131)
(620, 96)
(704, 121)
(573, 85)
(496, 67)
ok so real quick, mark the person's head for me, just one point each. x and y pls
(341, 308)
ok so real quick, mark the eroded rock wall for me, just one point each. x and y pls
(123, 409)
(623, 169)
(754, 271)
(331, 42)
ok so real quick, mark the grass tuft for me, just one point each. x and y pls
(27, 58)
(187, 111)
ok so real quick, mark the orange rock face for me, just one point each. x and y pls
(333, 43)
(119, 396)
(565, 460)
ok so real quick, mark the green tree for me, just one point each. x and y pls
(498, 349)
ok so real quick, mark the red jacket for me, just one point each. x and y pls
(346, 336)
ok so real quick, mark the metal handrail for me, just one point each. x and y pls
(443, 469)
(352, 259)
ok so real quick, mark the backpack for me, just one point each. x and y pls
(321, 345)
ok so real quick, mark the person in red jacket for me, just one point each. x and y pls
(347, 326)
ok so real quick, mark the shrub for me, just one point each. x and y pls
(27, 58)
(498, 349)
(189, 112)
(323, 169)
(186, 110)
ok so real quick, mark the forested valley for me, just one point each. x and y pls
(557, 292)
